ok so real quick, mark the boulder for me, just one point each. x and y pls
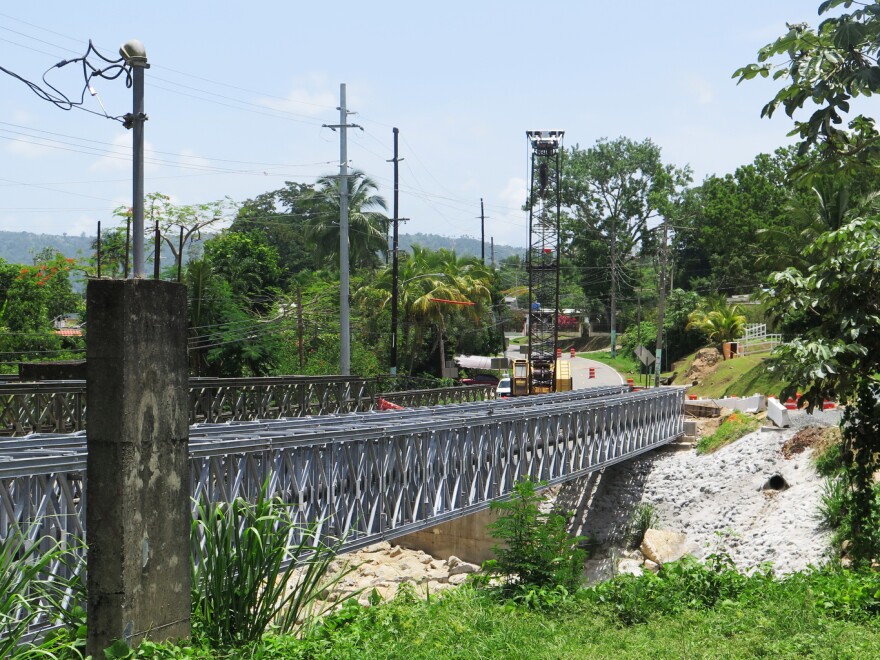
(629, 567)
(463, 568)
(381, 546)
(662, 546)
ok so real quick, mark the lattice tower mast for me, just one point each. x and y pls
(542, 261)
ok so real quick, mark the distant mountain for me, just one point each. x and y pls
(464, 246)
(19, 247)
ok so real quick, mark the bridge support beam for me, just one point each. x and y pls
(138, 490)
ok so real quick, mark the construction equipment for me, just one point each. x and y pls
(542, 373)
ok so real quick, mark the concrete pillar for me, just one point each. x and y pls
(137, 492)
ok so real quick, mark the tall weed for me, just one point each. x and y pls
(643, 518)
(40, 581)
(733, 428)
(250, 576)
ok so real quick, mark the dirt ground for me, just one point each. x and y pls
(705, 362)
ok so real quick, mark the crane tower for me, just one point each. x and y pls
(542, 261)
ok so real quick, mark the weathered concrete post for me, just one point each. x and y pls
(137, 493)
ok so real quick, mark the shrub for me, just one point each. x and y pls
(643, 518)
(682, 585)
(250, 576)
(733, 428)
(644, 333)
(828, 453)
(537, 550)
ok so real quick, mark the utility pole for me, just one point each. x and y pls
(344, 312)
(482, 233)
(394, 261)
(613, 286)
(492, 253)
(98, 255)
(299, 325)
(661, 310)
(136, 57)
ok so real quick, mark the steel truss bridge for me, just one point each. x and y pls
(60, 406)
(361, 477)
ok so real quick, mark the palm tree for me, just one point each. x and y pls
(723, 324)
(432, 285)
(367, 226)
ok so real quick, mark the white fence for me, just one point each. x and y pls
(756, 340)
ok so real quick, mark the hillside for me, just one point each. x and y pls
(19, 247)
(710, 376)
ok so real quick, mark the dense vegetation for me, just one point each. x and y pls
(538, 609)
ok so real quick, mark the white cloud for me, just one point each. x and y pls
(118, 157)
(313, 97)
(699, 88)
(27, 149)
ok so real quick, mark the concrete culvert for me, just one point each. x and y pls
(775, 482)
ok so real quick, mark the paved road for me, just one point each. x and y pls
(580, 373)
(580, 370)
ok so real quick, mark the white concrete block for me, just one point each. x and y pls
(777, 413)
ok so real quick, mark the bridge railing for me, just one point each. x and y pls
(60, 406)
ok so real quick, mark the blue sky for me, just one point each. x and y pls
(237, 94)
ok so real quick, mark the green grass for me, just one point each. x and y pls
(628, 367)
(742, 376)
(692, 612)
(733, 428)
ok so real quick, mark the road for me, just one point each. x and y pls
(580, 370)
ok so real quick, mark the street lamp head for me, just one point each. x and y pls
(134, 53)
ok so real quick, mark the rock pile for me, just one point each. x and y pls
(384, 567)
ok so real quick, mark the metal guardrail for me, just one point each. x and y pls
(60, 406)
(369, 475)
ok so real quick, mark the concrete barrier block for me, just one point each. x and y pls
(777, 413)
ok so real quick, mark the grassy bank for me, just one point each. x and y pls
(742, 376)
(689, 613)
(628, 367)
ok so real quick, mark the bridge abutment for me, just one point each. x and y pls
(465, 537)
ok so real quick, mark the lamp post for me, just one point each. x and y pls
(394, 288)
(135, 56)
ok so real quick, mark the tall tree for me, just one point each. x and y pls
(249, 264)
(838, 354)
(827, 66)
(738, 228)
(368, 226)
(282, 215)
(435, 287)
(611, 192)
